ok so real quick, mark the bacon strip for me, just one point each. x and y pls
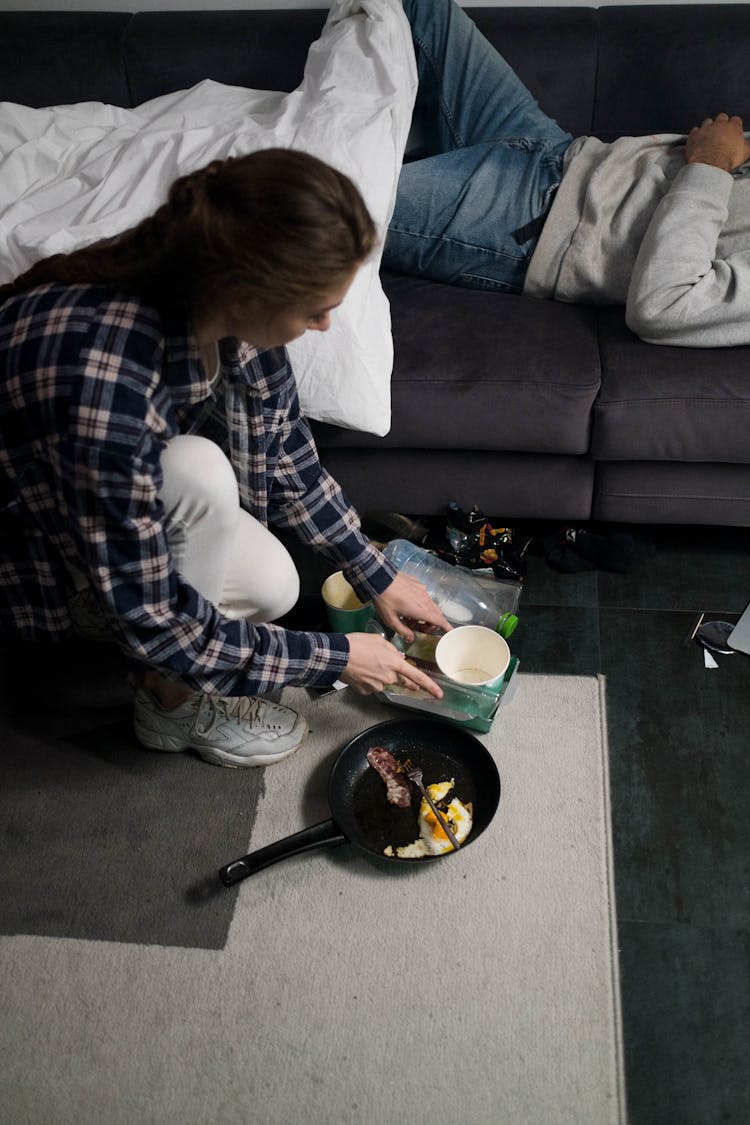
(398, 786)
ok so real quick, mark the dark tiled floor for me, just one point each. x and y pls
(679, 741)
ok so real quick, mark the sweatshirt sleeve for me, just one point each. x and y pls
(681, 292)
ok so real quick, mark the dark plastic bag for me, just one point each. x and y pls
(470, 540)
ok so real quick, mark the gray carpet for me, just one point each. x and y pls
(101, 839)
(481, 988)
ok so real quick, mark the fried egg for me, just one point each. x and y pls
(433, 839)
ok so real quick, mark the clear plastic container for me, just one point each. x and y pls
(472, 707)
(464, 598)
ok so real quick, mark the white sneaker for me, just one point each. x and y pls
(225, 730)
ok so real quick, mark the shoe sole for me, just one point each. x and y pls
(171, 745)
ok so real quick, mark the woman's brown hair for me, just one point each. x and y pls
(279, 225)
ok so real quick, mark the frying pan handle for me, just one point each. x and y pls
(317, 836)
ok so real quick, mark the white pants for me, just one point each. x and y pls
(229, 557)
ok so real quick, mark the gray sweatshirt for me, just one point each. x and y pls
(632, 224)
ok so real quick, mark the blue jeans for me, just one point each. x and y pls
(489, 160)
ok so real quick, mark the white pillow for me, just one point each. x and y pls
(72, 174)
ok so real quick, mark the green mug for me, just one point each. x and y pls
(346, 613)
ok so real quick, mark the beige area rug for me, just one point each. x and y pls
(480, 990)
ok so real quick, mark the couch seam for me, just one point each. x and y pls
(597, 64)
(728, 403)
(123, 56)
(672, 496)
(499, 383)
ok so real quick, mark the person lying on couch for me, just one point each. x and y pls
(150, 432)
(500, 197)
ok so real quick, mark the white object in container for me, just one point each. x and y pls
(463, 598)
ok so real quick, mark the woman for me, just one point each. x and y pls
(150, 433)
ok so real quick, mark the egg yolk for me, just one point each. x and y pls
(436, 828)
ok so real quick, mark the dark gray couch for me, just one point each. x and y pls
(529, 409)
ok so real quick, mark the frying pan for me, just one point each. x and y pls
(360, 813)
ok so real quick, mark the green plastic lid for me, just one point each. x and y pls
(506, 625)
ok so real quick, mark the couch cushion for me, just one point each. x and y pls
(663, 492)
(56, 58)
(510, 485)
(263, 50)
(662, 69)
(669, 404)
(479, 370)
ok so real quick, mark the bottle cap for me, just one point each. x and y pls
(506, 625)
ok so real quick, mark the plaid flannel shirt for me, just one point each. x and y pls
(93, 384)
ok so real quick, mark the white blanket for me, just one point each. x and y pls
(72, 174)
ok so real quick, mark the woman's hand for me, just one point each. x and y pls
(408, 597)
(374, 663)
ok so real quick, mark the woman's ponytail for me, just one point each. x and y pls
(278, 224)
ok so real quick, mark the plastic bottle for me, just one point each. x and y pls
(463, 598)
